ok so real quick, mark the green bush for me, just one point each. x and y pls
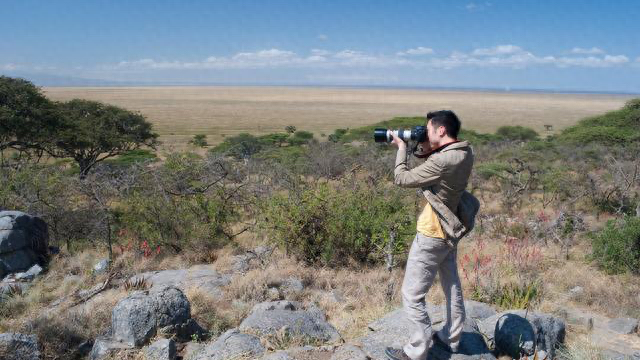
(332, 224)
(199, 140)
(616, 248)
(132, 157)
(490, 170)
(618, 127)
(517, 133)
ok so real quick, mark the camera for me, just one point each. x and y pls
(418, 134)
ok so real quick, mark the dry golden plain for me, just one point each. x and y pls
(218, 111)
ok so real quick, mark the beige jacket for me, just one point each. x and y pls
(443, 178)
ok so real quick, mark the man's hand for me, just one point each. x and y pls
(398, 142)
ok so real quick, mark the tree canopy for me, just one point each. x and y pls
(92, 131)
(27, 117)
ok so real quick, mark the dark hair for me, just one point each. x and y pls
(446, 118)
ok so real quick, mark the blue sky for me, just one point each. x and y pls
(559, 45)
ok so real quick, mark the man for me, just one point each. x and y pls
(443, 177)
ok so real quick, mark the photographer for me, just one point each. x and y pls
(443, 178)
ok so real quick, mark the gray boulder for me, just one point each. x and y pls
(250, 259)
(514, 336)
(203, 277)
(478, 310)
(137, 318)
(623, 326)
(18, 347)
(101, 267)
(30, 274)
(349, 352)
(231, 345)
(394, 330)
(163, 349)
(24, 241)
(270, 317)
(549, 331)
(103, 348)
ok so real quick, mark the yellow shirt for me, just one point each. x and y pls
(429, 224)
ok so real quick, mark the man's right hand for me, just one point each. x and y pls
(401, 145)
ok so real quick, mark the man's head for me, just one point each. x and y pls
(442, 127)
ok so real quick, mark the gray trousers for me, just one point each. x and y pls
(427, 257)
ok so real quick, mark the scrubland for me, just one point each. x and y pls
(178, 113)
(329, 209)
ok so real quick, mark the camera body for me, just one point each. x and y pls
(417, 133)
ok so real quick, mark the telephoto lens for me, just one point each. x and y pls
(418, 133)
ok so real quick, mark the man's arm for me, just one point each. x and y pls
(426, 174)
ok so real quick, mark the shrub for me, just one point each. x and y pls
(241, 146)
(616, 248)
(517, 133)
(334, 224)
(615, 127)
(199, 140)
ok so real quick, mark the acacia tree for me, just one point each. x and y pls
(93, 132)
(27, 117)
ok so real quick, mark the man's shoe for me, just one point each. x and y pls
(396, 354)
(439, 342)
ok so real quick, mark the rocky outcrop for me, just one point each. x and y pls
(163, 349)
(203, 277)
(140, 316)
(503, 329)
(231, 345)
(309, 323)
(137, 318)
(24, 241)
(392, 330)
(18, 347)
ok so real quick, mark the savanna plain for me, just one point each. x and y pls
(290, 198)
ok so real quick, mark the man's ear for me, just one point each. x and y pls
(441, 131)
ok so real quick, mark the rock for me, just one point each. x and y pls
(514, 336)
(30, 274)
(245, 262)
(301, 352)
(478, 310)
(577, 317)
(101, 267)
(191, 349)
(136, 318)
(549, 331)
(623, 326)
(349, 352)
(103, 348)
(203, 277)
(24, 241)
(163, 349)
(15, 346)
(576, 291)
(292, 286)
(230, 345)
(270, 317)
(8, 289)
(394, 330)
(273, 294)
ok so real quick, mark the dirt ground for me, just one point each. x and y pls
(218, 111)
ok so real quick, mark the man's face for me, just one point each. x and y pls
(434, 133)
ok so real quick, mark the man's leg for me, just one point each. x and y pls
(450, 281)
(422, 264)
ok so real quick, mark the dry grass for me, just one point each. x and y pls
(217, 111)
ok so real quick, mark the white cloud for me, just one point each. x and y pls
(420, 50)
(512, 56)
(472, 6)
(323, 37)
(498, 50)
(8, 67)
(593, 51)
(592, 61)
